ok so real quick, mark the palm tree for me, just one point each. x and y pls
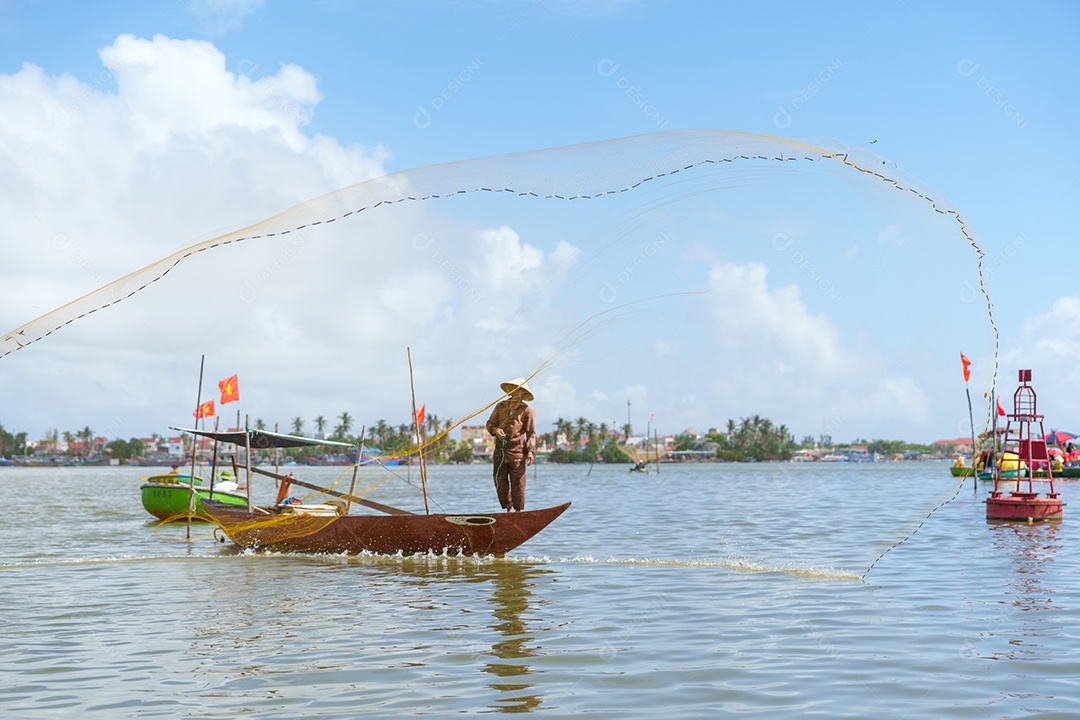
(381, 431)
(297, 425)
(259, 424)
(320, 424)
(86, 435)
(580, 426)
(564, 428)
(345, 423)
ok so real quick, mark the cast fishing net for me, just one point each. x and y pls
(571, 259)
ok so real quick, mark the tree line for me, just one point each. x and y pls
(748, 439)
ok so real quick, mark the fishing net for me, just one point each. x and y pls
(583, 235)
(740, 273)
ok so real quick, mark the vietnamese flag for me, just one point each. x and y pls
(967, 366)
(230, 389)
(205, 410)
(420, 415)
(1001, 408)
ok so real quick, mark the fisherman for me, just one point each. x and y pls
(513, 425)
(226, 481)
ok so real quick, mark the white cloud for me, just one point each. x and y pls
(804, 376)
(1049, 345)
(747, 313)
(507, 260)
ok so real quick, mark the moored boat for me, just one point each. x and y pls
(168, 496)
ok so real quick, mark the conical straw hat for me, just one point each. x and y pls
(509, 387)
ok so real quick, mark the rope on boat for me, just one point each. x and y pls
(909, 536)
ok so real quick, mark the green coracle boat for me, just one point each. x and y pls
(168, 496)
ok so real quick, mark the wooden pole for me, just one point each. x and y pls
(213, 460)
(247, 458)
(974, 444)
(648, 437)
(656, 448)
(191, 477)
(277, 451)
(416, 425)
(355, 469)
(327, 491)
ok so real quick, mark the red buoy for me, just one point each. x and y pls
(1027, 457)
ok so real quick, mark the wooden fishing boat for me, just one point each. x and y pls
(168, 497)
(329, 527)
(323, 528)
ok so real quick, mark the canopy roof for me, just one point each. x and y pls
(262, 439)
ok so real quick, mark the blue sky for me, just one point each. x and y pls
(192, 119)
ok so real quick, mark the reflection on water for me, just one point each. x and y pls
(1032, 548)
(1030, 611)
(510, 600)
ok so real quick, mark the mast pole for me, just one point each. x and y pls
(355, 469)
(416, 425)
(277, 451)
(194, 447)
(213, 460)
(247, 458)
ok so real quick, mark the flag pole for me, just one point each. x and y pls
(194, 449)
(974, 444)
(416, 425)
(971, 419)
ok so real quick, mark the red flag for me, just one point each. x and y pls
(967, 366)
(1001, 408)
(420, 415)
(230, 389)
(205, 410)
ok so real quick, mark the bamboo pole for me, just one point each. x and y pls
(416, 425)
(328, 491)
(191, 477)
(247, 458)
(974, 444)
(356, 469)
(277, 451)
(213, 460)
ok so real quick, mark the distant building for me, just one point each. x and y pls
(963, 445)
(476, 435)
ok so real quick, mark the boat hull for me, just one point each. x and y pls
(478, 534)
(168, 497)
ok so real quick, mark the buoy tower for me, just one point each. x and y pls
(1024, 504)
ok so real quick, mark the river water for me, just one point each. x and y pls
(699, 591)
